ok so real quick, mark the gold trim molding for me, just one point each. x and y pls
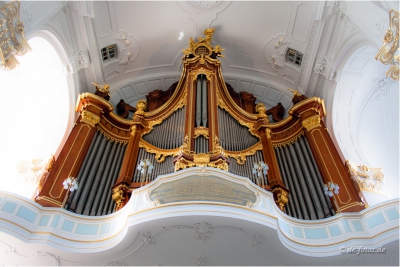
(311, 122)
(160, 154)
(89, 118)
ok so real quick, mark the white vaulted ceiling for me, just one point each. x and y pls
(249, 32)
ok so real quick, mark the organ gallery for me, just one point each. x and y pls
(201, 122)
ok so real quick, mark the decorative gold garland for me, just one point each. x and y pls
(111, 138)
(290, 141)
(241, 155)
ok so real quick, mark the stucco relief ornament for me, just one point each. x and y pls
(204, 4)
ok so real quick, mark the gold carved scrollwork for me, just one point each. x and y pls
(311, 122)
(281, 198)
(260, 108)
(89, 118)
(241, 156)
(196, 73)
(201, 131)
(203, 45)
(140, 107)
(268, 133)
(159, 154)
(181, 164)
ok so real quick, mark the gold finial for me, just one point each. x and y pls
(295, 92)
(203, 46)
(104, 88)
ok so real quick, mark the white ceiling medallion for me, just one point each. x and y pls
(204, 4)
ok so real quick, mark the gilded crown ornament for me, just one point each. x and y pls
(203, 46)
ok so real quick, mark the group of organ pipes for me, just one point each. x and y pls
(200, 121)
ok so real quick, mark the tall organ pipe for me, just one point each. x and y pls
(204, 100)
(198, 101)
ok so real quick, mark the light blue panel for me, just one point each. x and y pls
(105, 228)
(346, 226)
(393, 214)
(26, 214)
(297, 232)
(86, 229)
(9, 207)
(316, 233)
(285, 227)
(335, 230)
(67, 226)
(358, 226)
(375, 220)
(44, 220)
(55, 221)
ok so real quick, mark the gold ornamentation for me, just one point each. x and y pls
(367, 178)
(260, 108)
(281, 197)
(12, 39)
(133, 130)
(295, 92)
(268, 133)
(241, 155)
(159, 154)
(89, 118)
(196, 73)
(201, 158)
(152, 123)
(111, 138)
(311, 122)
(201, 131)
(203, 46)
(290, 141)
(182, 163)
(389, 52)
(104, 88)
(118, 196)
(141, 107)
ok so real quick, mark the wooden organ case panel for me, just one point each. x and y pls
(200, 122)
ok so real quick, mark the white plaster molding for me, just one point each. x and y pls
(139, 212)
(325, 68)
(80, 61)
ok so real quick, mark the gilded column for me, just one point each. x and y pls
(121, 189)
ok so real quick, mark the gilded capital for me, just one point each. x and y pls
(311, 122)
(89, 118)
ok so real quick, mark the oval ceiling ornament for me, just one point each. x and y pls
(204, 4)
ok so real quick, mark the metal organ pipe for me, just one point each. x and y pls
(204, 100)
(198, 101)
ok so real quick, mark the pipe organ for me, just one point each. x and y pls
(200, 122)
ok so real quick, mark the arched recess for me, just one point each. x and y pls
(365, 114)
(37, 108)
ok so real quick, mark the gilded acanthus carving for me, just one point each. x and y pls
(89, 118)
(367, 178)
(311, 122)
